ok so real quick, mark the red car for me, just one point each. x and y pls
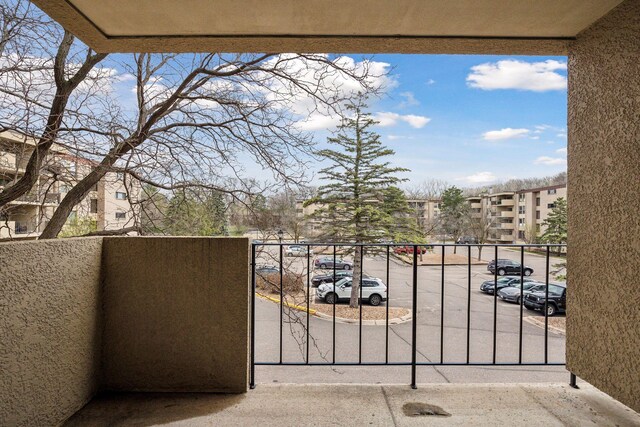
(409, 249)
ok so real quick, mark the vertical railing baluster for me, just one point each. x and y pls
(414, 319)
(546, 312)
(521, 303)
(333, 348)
(468, 301)
(360, 306)
(495, 302)
(442, 308)
(386, 339)
(281, 301)
(308, 295)
(252, 374)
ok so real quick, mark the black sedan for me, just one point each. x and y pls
(507, 266)
(487, 286)
(327, 262)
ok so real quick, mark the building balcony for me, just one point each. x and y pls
(506, 202)
(150, 315)
(507, 214)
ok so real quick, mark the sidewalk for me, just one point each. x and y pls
(356, 405)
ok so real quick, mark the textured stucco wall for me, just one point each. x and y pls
(603, 323)
(49, 329)
(176, 314)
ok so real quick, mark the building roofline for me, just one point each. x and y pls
(549, 187)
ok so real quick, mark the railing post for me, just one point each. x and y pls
(252, 372)
(572, 381)
(414, 322)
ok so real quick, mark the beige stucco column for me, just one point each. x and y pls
(603, 323)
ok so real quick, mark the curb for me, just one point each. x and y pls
(394, 321)
(294, 306)
(314, 312)
(539, 323)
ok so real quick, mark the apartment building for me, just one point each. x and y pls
(518, 216)
(109, 206)
(426, 213)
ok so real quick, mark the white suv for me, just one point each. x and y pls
(374, 291)
(297, 251)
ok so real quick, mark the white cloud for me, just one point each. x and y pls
(430, 81)
(549, 161)
(391, 119)
(409, 100)
(415, 121)
(480, 178)
(506, 133)
(318, 122)
(522, 75)
(562, 151)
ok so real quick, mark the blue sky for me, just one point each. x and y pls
(508, 120)
(468, 120)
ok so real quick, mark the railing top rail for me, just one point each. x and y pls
(512, 245)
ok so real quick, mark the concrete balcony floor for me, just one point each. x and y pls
(355, 405)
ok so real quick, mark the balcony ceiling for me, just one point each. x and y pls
(429, 26)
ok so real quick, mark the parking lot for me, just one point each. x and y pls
(430, 330)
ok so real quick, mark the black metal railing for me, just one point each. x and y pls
(412, 252)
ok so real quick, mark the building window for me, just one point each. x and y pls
(120, 176)
(521, 197)
(521, 235)
(521, 221)
(537, 201)
(551, 191)
(94, 205)
(120, 195)
(95, 187)
(521, 209)
(551, 205)
(537, 214)
(121, 215)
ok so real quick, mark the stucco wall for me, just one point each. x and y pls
(603, 324)
(49, 329)
(176, 314)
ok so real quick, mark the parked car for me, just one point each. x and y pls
(408, 249)
(503, 282)
(512, 293)
(467, 240)
(557, 302)
(294, 250)
(327, 262)
(319, 279)
(374, 291)
(265, 270)
(507, 266)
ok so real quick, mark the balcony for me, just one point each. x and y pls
(142, 314)
(506, 202)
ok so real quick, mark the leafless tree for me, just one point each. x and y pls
(193, 120)
(429, 189)
(480, 227)
(47, 79)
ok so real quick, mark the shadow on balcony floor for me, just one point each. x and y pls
(353, 405)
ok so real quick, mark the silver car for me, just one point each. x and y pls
(512, 293)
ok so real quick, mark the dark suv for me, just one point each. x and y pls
(506, 266)
(557, 302)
